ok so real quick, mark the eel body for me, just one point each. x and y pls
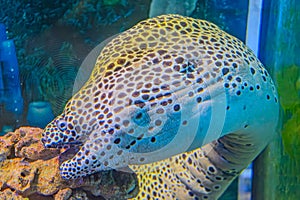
(184, 104)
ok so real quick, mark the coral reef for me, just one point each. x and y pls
(29, 171)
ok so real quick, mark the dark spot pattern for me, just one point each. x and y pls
(141, 78)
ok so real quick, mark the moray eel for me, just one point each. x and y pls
(160, 91)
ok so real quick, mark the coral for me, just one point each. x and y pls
(29, 171)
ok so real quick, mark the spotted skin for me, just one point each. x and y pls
(204, 173)
(166, 87)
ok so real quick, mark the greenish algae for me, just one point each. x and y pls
(288, 80)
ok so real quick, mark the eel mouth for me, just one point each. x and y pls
(60, 145)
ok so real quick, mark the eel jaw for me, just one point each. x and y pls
(60, 143)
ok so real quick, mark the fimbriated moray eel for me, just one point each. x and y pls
(184, 104)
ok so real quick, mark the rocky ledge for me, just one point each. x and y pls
(29, 171)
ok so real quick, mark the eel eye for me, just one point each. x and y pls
(62, 125)
(141, 117)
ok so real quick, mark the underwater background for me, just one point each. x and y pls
(43, 44)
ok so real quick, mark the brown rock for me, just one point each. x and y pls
(48, 180)
(30, 147)
(7, 194)
(28, 170)
(63, 194)
(7, 144)
(17, 175)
